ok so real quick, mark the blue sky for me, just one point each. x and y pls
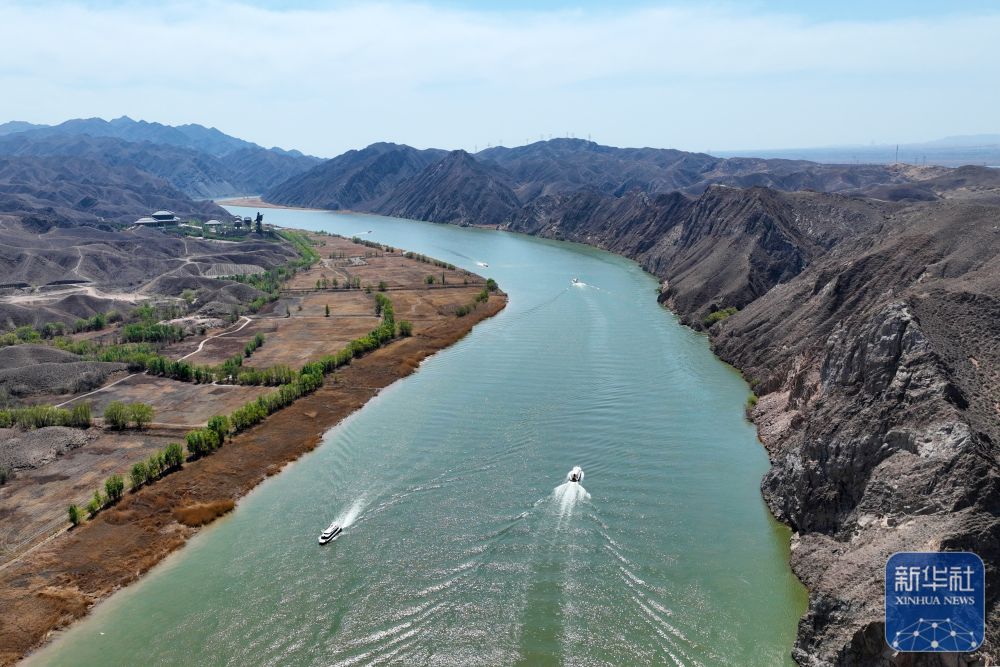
(325, 77)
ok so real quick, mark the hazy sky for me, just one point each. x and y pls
(325, 77)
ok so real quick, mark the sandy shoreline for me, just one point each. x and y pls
(67, 575)
(257, 202)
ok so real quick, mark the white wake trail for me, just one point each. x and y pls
(566, 497)
(352, 514)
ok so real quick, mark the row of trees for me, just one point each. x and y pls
(40, 416)
(120, 416)
(142, 332)
(158, 464)
(372, 244)
(204, 441)
(429, 260)
(201, 442)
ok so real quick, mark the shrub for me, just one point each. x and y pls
(74, 515)
(80, 415)
(141, 414)
(719, 315)
(382, 286)
(429, 280)
(116, 415)
(405, 328)
(254, 343)
(6, 474)
(114, 488)
(327, 310)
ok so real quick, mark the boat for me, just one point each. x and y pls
(575, 475)
(576, 281)
(332, 532)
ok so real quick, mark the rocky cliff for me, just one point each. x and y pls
(876, 368)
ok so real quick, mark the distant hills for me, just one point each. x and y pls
(500, 186)
(170, 165)
(956, 151)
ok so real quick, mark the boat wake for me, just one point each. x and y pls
(567, 496)
(345, 519)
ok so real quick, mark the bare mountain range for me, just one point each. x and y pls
(866, 319)
(200, 162)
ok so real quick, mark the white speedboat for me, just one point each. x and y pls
(575, 475)
(331, 533)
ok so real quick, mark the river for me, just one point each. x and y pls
(464, 545)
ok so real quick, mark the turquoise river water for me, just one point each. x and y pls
(464, 544)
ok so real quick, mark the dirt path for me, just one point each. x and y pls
(68, 574)
(98, 390)
(201, 345)
(246, 321)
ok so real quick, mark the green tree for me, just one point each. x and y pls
(405, 328)
(220, 424)
(116, 415)
(139, 474)
(114, 488)
(173, 456)
(74, 515)
(140, 414)
(327, 310)
(491, 285)
(95, 504)
(429, 280)
(382, 286)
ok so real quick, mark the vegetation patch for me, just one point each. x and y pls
(199, 514)
(719, 315)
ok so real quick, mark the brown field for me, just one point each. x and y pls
(33, 505)
(177, 404)
(65, 575)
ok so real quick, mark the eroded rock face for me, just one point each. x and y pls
(877, 444)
